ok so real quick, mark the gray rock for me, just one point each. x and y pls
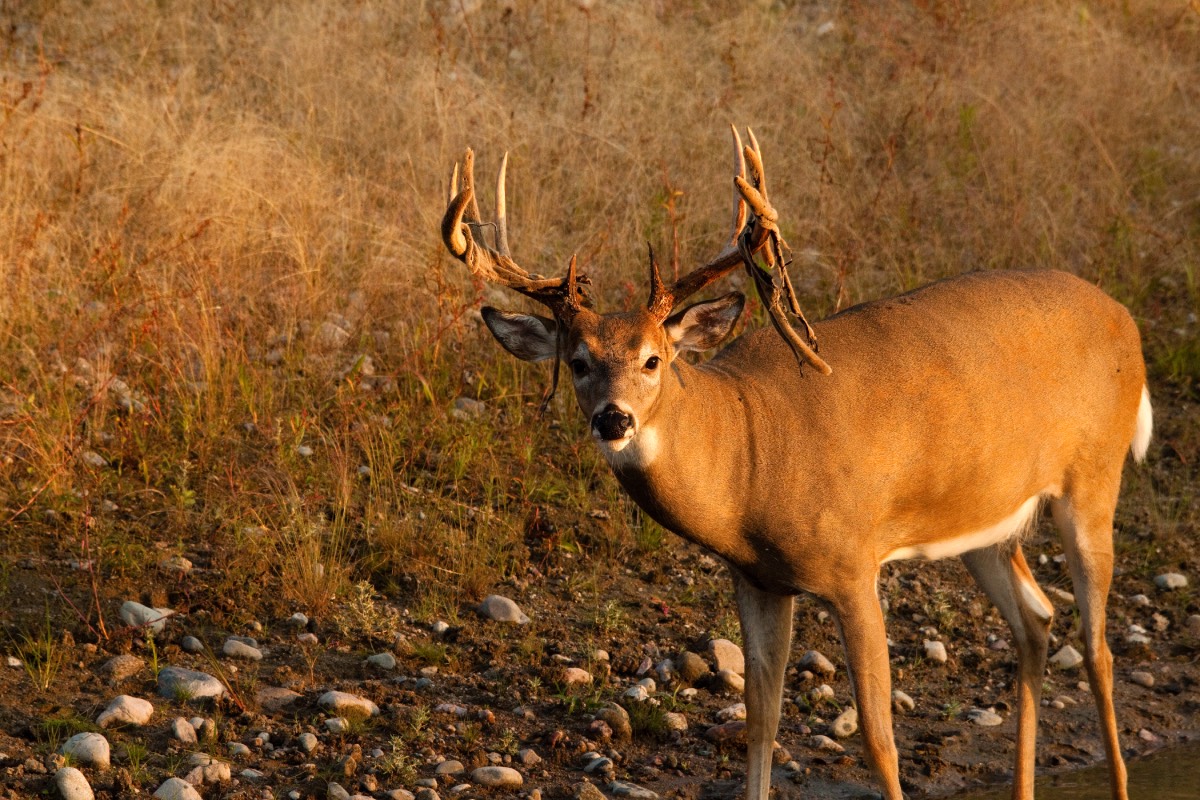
(631, 790)
(177, 789)
(88, 748)
(307, 741)
(817, 664)
(426, 793)
(1067, 658)
(72, 785)
(207, 770)
(497, 777)
(732, 681)
(136, 615)
(176, 563)
(691, 666)
(468, 408)
(730, 713)
(399, 794)
(335, 791)
(236, 648)
(984, 717)
(574, 676)
(1142, 678)
(901, 702)
(820, 694)
(346, 704)
(675, 721)
(617, 719)
(727, 656)
(727, 732)
(449, 767)
(298, 620)
(182, 731)
(274, 699)
(637, 694)
(1193, 624)
(119, 668)
(846, 724)
(935, 651)
(586, 791)
(126, 710)
(1170, 581)
(599, 763)
(501, 609)
(825, 743)
(251, 775)
(439, 628)
(384, 660)
(337, 725)
(188, 684)
(529, 757)
(191, 644)
(237, 750)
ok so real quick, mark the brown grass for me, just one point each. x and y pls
(191, 193)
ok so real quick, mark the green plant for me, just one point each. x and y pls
(397, 763)
(42, 654)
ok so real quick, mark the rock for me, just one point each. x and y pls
(335, 791)
(1139, 600)
(1160, 623)
(825, 743)
(1142, 678)
(191, 644)
(1067, 658)
(337, 725)
(399, 794)
(599, 764)
(188, 684)
(586, 791)
(636, 694)
(729, 713)
(274, 699)
(820, 693)
(236, 648)
(727, 656)
(251, 775)
(385, 661)
(846, 724)
(468, 408)
(631, 790)
(72, 785)
(177, 789)
(307, 742)
(497, 777)
(207, 770)
(427, 794)
(574, 676)
(119, 668)
(727, 732)
(501, 609)
(1147, 736)
(450, 767)
(901, 702)
(298, 620)
(529, 757)
(13, 662)
(346, 704)
(984, 717)
(126, 710)
(935, 651)
(675, 721)
(1170, 581)
(817, 663)
(439, 628)
(732, 681)
(237, 750)
(691, 667)
(136, 615)
(88, 748)
(182, 731)
(1193, 624)
(616, 718)
(177, 564)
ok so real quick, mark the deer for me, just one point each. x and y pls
(933, 424)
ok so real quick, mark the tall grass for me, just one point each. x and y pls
(212, 214)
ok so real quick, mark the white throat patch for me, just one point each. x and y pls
(638, 451)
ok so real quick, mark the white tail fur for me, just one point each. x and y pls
(1145, 427)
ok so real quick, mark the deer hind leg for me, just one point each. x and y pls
(1001, 571)
(767, 633)
(1085, 520)
(860, 621)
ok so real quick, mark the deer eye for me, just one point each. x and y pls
(652, 363)
(579, 367)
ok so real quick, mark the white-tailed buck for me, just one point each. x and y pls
(932, 424)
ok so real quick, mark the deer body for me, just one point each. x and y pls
(940, 424)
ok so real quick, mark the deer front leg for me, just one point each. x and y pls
(767, 635)
(860, 621)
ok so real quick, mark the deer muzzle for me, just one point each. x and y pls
(612, 423)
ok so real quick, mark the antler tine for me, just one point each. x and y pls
(739, 171)
(453, 192)
(661, 301)
(501, 218)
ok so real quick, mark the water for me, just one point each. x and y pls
(1172, 774)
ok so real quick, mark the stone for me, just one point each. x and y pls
(236, 648)
(1139, 600)
(732, 681)
(427, 793)
(136, 615)
(586, 791)
(574, 676)
(307, 742)
(191, 644)
(817, 663)
(984, 717)
(617, 719)
(497, 777)
(335, 791)
(935, 651)
(439, 628)
(237, 749)
(637, 694)
(825, 743)
(1169, 581)
(1067, 658)
(177, 564)
(691, 667)
(846, 724)
(468, 408)
(736, 711)
(126, 710)
(337, 725)
(727, 656)
(88, 748)
(119, 668)
(1193, 624)
(599, 764)
(298, 620)
(631, 790)
(182, 731)
(207, 770)
(901, 702)
(727, 732)
(820, 693)
(528, 757)
(188, 684)
(675, 721)
(1142, 678)
(72, 785)
(501, 609)
(384, 661)
(274, 699)
(346, 704)
(449, 767)
(177, 789)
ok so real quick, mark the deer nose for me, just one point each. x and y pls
(611, 423)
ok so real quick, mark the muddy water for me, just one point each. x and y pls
(1173, 774)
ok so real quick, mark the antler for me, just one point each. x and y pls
(462, 231)
(756, 231)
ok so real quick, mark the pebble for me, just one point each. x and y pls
(307, 741)
(176, 563)
(337, 724)
(586, 791)
(901, 702)
(450, 767)
(819, 693)
(399, 794)
(736, 711)
(732, 681)
(497, 777)
(191, 644)
(846, 724)
(599, 764)
(1193, 624)
(1067, 658)
(177, 789)
(1142, 678)
(825, 743)
(691, 667)
(238, 750)
(1140, 600)
(236, 648)
(501, 609)
(137, 615)
(727, 732)
(13, 662)
(275, 698)
(529, 757)
(1169, 581)
(1146, 736)
(817, 663)
(439, 628)
(935, 651)
(984, 717)
(335, 791)
(126, 710)
(617, 718)
(119, 668)
(574, 676)
(178, 683)
(88, 748)
(631, 790)
(468, 408)
(727, 656)
(384, 660)
(675, 721)
(72, 785)
(251, 775)
(182, 731)
(347, 704)
(637, 694)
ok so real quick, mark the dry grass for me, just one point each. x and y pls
(193, 194)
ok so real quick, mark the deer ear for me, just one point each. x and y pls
(527, 336)
(702, 326)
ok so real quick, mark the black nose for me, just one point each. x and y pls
(612, 423)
